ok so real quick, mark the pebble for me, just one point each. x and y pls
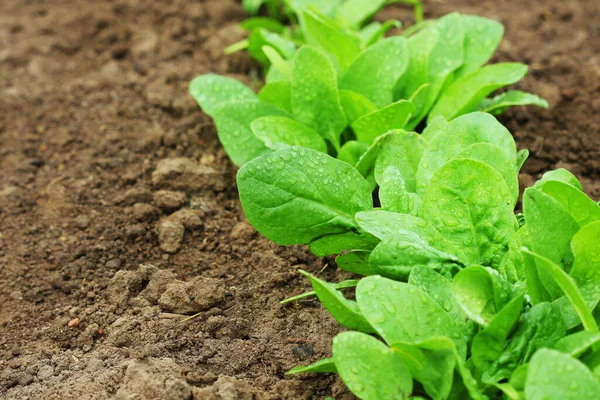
(74, 323)
(169, 200)
(184, 174)
(45, 372)
(170, 235)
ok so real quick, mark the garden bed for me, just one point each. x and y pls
(106, 165)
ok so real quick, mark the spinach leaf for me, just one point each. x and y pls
(325, 365)
(556, 376)
(402, 313)
(583, 209)
(498, 104)
(586, 249)
(297, 195)
(355, 105)
(277, 94)
(466, 93)
(370, 74)
(277, 133)
(345, 311)
(233, 121)
(482, 37)
(394, 116)
(455, 137)
(212, 91)
(314, 94)
(370, 369)
(469, 204)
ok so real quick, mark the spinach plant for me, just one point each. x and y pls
(461, 300)
(339, 93)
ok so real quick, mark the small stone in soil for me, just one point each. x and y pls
(74, 323)
(170, 235)
(169, 200)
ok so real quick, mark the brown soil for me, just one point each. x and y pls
(93, 98)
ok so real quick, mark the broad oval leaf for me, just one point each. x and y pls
(496, 158)
(583, 209)
(586, 249)
(376, 70)
(212, 91)
(469, 204)
(280, 132)
(296, 195)
(393, 116)
(314, 94)
(465, 94)
(577, 343)
(400, 312)
(482, 37)
(355, 105)
(387, 224)
(233, 127)
(553, 375)
(396, 256)
(343, 45)
(278, 94)
(370, 369)
(402, 150)
(456, 136)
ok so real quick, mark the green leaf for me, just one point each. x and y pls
(439, 289)
(315, 99)
(352, 151)
(445, 57)
(482, 37)
(553, 375)
(297, 195)
(338, 243)
(569, 287)
(386, 224)
(402, 313)
(551, 237)
(376, 70)
(495, 158)
(356, 261)
(233, 121)
(561, 175)
(488, 344)
(325, 7)
(259, 38)
(353, 13)
(277, 94)
(212, 91)
(591, 295)
(370, 369)
(278, 61)
(393, 116)
(446, 141)
(469, 204)
(393, 195)
(583, 209)
(498, 104)
(481, 293)
(522, 156)
(541, 327)
(355, 105)
(586, 249)
(376, 31)
(280, 132)
(345, 311)
(270, 24)
(350, 283)
(577, 343)
(512, 266)
(403, 151)
(343, 45)
(466, 93)
(431, 362)
(396, 256)
(325, 365)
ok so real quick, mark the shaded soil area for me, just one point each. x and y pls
(119, 213)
